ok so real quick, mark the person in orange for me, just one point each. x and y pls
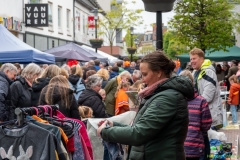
(233, 98)
(122, 104)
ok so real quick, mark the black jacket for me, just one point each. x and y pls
(93, 100)
(73, 79)
(5, 98)
(37, 88)
(21, 93)
(71, 111)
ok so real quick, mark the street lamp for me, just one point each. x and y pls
(159, 6)
(136, 42)
(131, 32)
(95, 11)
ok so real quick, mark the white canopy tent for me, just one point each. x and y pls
(111, 59)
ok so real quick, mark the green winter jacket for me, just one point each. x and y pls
(111, 88)
(160, 127)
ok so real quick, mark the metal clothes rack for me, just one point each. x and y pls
(22, 112)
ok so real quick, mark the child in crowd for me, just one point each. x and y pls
(200, 121)
(102, 93)
(233, 98)
(122, 104)
(85, 112)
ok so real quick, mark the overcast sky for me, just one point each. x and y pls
(149, 17)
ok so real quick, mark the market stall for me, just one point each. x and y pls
(13, 49)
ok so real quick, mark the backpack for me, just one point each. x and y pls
(78, 88)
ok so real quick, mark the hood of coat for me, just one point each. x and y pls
(56, 94)
(73, 79)
(40, 84)
(86, 94)
(22, 80)
(235, 87)
(179, 83)
(2, 74)
(207, 64)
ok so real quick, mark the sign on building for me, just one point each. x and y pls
(36, 15)
(91, 22)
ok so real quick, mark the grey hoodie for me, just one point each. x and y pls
(212, 94)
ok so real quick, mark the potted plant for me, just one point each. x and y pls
(158, 5)
(96, 43)
(131, 50)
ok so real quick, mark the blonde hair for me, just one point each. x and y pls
(188, 74)
(61, 85)
(234, 78)
(197, 51)
(120, 86)
(84, 111)
(103, 73)
(64, 73)
(137, 85)
(51, 71)
(77, 70)
(102, 91)
(31, 70)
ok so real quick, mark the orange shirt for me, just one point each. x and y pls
(234, 94)
(122, 104)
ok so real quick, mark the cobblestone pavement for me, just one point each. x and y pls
(232, 135)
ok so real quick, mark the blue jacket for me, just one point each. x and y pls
(113, 74)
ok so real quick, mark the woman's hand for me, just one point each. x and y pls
(110, 123)
(102, 124)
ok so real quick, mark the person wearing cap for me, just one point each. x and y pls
(126, 65)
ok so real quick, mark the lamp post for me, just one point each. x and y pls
(131, 32)
(95, 11)
(136, 42)
(158, 6)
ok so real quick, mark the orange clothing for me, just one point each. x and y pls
(122, 104)
(234, 94)
(64, 136)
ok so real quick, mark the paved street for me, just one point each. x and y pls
(232, 135)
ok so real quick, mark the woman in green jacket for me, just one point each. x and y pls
(160, 126)
(111, 88)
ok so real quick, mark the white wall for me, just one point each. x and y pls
(105, 4)
(55, 31)
(12, 8)
(82, 34)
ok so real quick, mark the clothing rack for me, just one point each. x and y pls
(22, 112)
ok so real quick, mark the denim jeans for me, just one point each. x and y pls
(234, 113)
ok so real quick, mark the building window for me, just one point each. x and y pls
(50, 13)
(78, 20)
(68, 19)
(59, 17)
(84, 23)
(118, 36)
(34, 1)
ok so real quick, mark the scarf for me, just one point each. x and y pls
(150, 89)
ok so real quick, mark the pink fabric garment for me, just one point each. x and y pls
(85, 150)
(83, 132)
(148, 90)
(70, 144)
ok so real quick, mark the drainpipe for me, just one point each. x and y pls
(74, 20)
(23, 18)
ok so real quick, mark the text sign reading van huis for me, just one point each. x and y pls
(36, 15)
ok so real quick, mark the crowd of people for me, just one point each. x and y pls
(174, 113)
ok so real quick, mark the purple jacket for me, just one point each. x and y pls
(200, 121)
